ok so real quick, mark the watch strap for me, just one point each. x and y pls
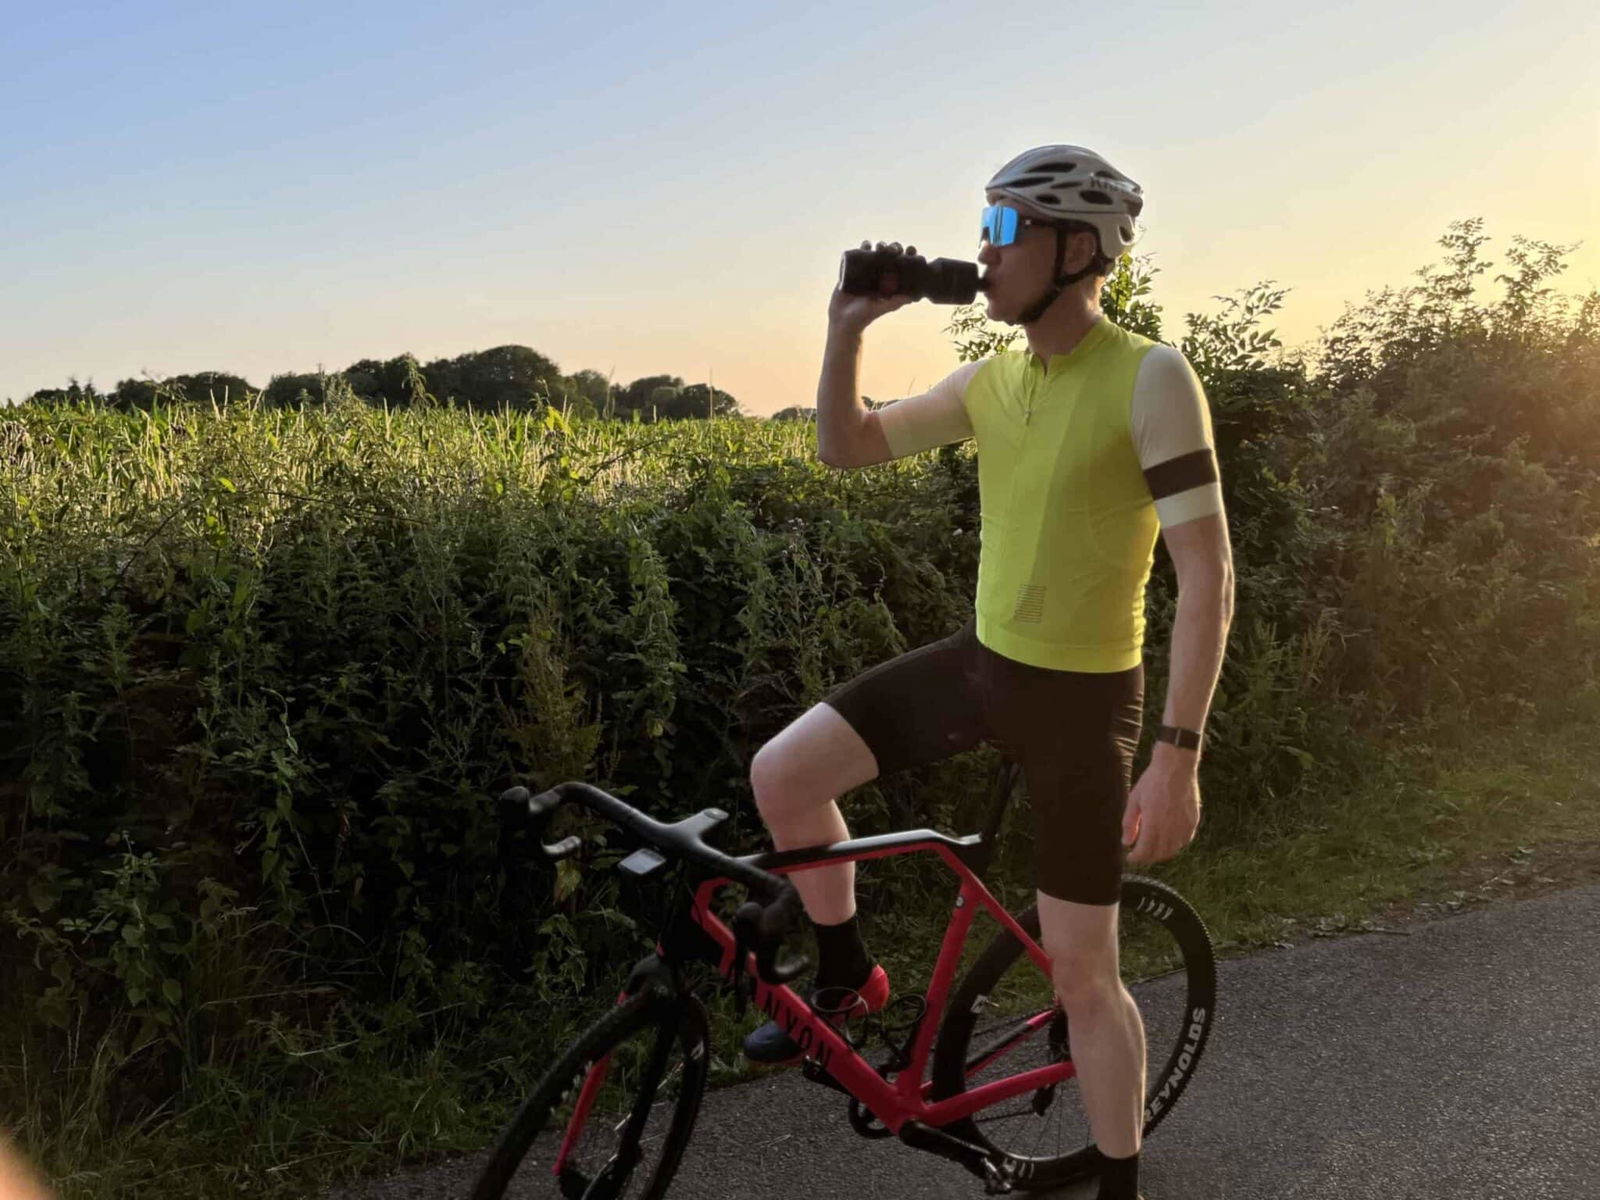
(1184, 739)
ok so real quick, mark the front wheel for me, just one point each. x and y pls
(612, 1116)
(1003, 1019)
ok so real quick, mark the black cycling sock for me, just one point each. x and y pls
(1119, 1178)
(842, 958)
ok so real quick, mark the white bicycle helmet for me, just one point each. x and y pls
(1077, 184)
(1071, 183)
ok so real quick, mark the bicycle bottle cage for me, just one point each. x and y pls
(897, 1027)
(846, 1010)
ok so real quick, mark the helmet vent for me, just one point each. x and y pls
(1030, 180)
(1047, 198)
(1095, 197)
(1059, 165)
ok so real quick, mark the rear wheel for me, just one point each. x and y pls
(611, 1118)
(1003, 1019)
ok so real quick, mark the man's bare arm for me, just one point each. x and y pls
(1203, 561)
(935, 418)
(1163, 811)
(847, 434)
(845, 437)
(1172, 434)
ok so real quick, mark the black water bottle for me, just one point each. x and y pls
(890, 271)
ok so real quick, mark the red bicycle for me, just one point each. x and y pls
(612, 1116)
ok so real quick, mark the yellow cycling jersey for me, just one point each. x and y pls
(1079, 463)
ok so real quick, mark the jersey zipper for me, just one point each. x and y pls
(1013, 523)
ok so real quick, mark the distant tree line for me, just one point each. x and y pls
(505, 377)
(802, 412)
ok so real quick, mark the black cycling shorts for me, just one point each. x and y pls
(1074, 734)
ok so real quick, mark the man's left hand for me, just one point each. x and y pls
(1164, 808)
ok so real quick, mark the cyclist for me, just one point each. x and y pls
(1090, 441)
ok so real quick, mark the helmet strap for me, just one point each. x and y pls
(1061, 282)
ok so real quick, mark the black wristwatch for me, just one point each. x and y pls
(1184, 739)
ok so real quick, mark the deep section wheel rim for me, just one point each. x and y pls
(573, 1137)
(1043, 1139)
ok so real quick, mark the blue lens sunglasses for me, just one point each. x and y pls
(1003, 224)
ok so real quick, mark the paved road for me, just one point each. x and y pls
(1459, 1062)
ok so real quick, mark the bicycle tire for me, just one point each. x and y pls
(1152, 914)
(682, 1021)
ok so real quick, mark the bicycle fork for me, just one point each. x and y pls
(649, 972)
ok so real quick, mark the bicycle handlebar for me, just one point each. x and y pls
(758, 927)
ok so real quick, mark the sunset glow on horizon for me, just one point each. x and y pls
(626, 189)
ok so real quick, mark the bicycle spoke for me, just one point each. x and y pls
(1008, 1116)
(1016, 1036)
(639, 1113)
(1169, 971)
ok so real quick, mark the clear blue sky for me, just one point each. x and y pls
(266, 188)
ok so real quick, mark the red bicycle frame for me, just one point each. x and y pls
(934, 1114)
(905, 1098)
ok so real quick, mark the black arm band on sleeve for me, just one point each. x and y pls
(1192, 470)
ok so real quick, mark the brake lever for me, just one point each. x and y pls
(565, 848)
(769, 926)
(538, 808)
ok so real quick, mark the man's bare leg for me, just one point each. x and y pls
(796, 777)
(1103, 1024)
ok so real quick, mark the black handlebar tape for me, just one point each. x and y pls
(542, 803)
(764, 928)
(539, 806)
(671, 838)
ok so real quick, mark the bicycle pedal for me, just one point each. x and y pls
(973, 1157)
(994, 1183)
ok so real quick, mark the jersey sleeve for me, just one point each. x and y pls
(935, 418)
(1172, 434)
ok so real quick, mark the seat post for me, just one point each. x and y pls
(1005, 782)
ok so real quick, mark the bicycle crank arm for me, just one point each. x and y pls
(817, 1073)
(970, 1155)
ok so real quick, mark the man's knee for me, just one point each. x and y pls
(815, 759)
(1081, 942)
(1078, 968)
(784, 780)
(771, 779)
(1085, 989)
